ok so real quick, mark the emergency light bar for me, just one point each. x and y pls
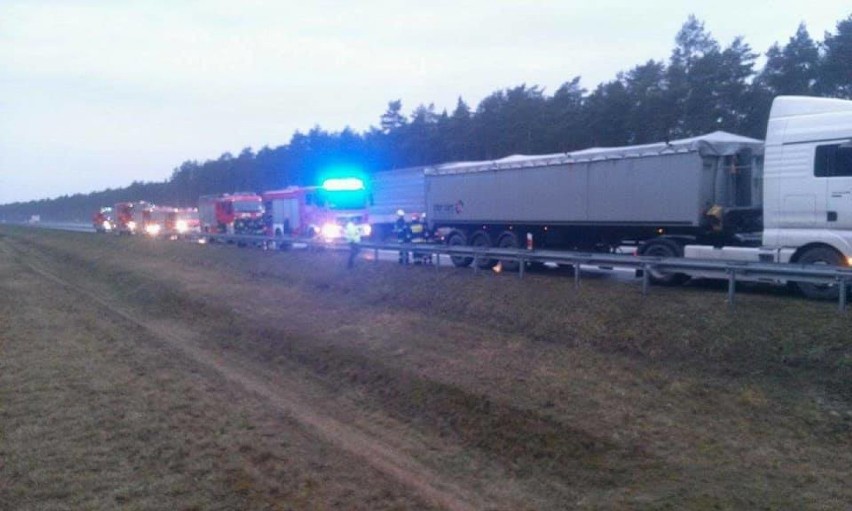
(343, 184)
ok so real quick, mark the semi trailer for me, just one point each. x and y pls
(718, 196)
(392, 190)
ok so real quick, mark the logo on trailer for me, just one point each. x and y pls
(459, 207)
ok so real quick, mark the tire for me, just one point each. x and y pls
(482, 240)
(457, 239)
(509, 240)
(820, 256)
(664, 248)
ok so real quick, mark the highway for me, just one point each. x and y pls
(618, 274)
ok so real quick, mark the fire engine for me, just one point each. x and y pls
(237, 213)
(159, 221)
(102, 220)
(130, 217)
(184, 221)
(314, 211)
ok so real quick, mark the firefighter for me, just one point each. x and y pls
(403, 235)
(353, 237)
(418, 235)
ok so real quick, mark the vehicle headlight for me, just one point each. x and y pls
(152, 229)
(367, 229)
(331, 231)
(106, 225)
(131, 225)
(181, 226)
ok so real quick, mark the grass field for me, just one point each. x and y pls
(142, 374)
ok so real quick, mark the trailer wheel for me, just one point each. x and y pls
(664, 248)
(482, 240)
(457, 239)
(509, 240)
(823, 256)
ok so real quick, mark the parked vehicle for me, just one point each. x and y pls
(718, 196)
(237, 213)
(102, 220)
(391, 191)
(184, 221)
(130, 217)
(318, 211)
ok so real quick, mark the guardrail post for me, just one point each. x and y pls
(521, 265)
(646, 280)
(476, 264)
(841, 294)
(437, 260)
(576, 275)
(732, 286)
(375, 255)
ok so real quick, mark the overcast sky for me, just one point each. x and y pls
(98, 93)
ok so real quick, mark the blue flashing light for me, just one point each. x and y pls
(348, 184)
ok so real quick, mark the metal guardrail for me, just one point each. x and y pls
(726, 270)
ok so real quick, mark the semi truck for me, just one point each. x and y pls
(318, 211)
(236, 213)
(718, 196)
(393, 190)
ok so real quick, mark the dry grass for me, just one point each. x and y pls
(596, 397)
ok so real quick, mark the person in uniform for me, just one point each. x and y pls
(418, 235)
(353, 237)
(403, 235)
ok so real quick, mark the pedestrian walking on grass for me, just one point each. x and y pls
(353, 237)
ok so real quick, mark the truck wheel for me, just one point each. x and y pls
(482, 240)
(823, 256)
(664, 248)
(509, 240)
(457, 239)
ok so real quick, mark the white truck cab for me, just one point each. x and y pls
(808, 177)
(807, 189)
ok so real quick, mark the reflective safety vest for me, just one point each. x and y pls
(352, 233)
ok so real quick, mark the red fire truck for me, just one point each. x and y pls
(185, 221)
(130, 217)
(317, 210)
(237, 213)
(102, 220)
(159, 221)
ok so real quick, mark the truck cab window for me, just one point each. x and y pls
(834, 160)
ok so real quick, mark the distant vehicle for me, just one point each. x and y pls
(158, 221)
(709, 197)
(130, 217)
(102, 220)
(185, 221)
(318, 211)
(237, 213)
(34, 219)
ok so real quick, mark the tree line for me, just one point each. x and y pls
(703, 87)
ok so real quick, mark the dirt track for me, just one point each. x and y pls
(174, 376)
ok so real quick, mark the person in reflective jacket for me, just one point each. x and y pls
(353, 237)
(403, 235)
(419, 236)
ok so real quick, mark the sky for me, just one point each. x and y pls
(96, 94)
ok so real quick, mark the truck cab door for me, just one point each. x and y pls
(833, 163)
